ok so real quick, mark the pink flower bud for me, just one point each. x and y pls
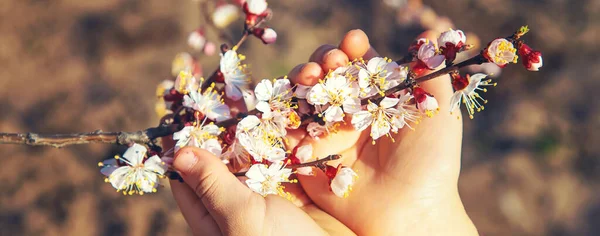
(452, 38)
(210, 48)
(196, 40)
(267, 35)
(426, 103)
(532, 60)
(451, 43)
(255, 7)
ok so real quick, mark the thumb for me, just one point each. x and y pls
(227, 199)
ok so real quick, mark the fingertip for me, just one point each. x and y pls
(319, 53)
(355, 44)
(308, 74)
(334, 59)
(185, 160)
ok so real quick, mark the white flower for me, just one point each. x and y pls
(428, 55)
(236, 155)
(225, 15)
(137, 176)
(248, 125)
(426, 103)
(273, 127)
(108, 166)
(315, 130)
(208, 103)
(302, 91)
(273, 97)
(336, 92)
(256, 7)
(406, 110)
(378, 75)
(454, 38)
(342, 183)
(261, 147)
(265, 181)
(182, 62)
(383, 119)
(467, 93)
(501, 52)
(303, 154)
(204, 137)
(186, 82)
(234, 75)
(196, 40)
(349, 71)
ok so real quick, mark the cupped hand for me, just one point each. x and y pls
(407, 186)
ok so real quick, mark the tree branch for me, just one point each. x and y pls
(312, 163)
(145, 136)
(61, 140)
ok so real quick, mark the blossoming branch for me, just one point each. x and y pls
(379, 95)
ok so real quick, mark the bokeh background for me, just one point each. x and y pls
(530, 162)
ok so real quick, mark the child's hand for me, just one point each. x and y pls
(405, 187)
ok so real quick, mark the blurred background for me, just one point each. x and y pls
(531, 160)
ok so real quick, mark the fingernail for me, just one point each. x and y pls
(185, 161)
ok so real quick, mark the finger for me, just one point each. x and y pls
(228, 200)
(442, 134)
(356, 45)
(193, 210)
(333, 59)
(441, 87)
(307, 74)
(329, 57)
(318, 54)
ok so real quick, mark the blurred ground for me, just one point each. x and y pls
(530, 162)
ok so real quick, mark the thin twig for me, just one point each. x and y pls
(408, 58)
(145, 136)
(312, 163)
(61, 140)
(476, 60)
(213, 77)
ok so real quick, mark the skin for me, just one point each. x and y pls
(407, 186)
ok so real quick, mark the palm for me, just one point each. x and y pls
(417, 172)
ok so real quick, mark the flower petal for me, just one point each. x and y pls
(334, 114)
(455, 101)
(282, 87)
(379, 128)
(213, 146)
(352, 105)
(304, 153)
(317, 95)
(135, 154)
(264, 90)
(233, 92)
(388, 102)
(155, 164)
(361, 120)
